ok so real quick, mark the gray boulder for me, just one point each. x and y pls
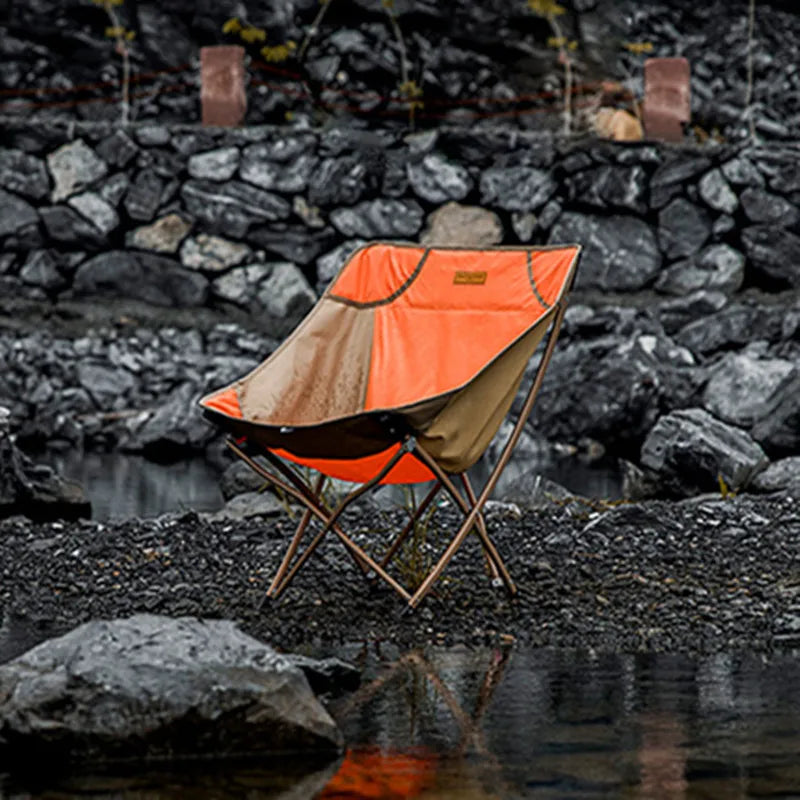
(462, 226)
(718, 267)
(516, 188)
(214, 165)
(231, 208)
(15, 214)
(612, 187)
(280, 166)
(775, 253)
(23, 174)
(73, 167)
(734, 326)
(34, 490)
(64, 224)
(761, 206)
(294, 243)
(144, 196)
(670, 179)
(152, 687)
(437, 180)
(377, 219)
(717, 193)
(688, 451)
(141, 276)
(620, 252)
(337, 182)
(683, 228)
(744, 390)
(778, 476)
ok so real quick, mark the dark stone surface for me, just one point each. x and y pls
(141, 276)
(150, 687)
(689, 450)
(774, 252)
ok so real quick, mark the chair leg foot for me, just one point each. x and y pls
(266, 600)
(408, 611)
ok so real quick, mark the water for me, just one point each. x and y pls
(523, 723)
(122, 486)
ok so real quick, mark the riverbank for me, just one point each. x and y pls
(697, 576)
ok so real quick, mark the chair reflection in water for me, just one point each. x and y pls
(392, 773)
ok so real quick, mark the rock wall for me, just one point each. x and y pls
(472, 60)
(192, 252)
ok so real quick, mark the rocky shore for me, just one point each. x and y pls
(696, 576)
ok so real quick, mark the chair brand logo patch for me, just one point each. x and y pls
(466, 276)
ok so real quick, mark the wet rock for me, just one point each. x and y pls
(761, 206)
(328, 266)
(683, 228)
(328, 676)
(778, 476)
(34, 490)
(212, 253)
(620, 252)
(118, 149)
(96, 211)
(141, 276)
(281, 166)
(239, 478)
(239, 285)
(779, 432)
(337, 182)
(231, 208)
(175, 430)
(437, 180)
(379, 219)
(63, 224)
(286, 296)
(462, 226)
(214, 165)
(248, 505)
(73, 167)
(41, 269)
(516, 188)
(610, 187)
(744, 390)
(741, 171)
(618, 387)
(113, 189)
(774, 253)
(162, 236)
(670, 178)
(152, 135)
(734, 326)
(717, 193)
(157, 687)
(718, 267)
(15, 214)
(689, 450)
(23, 174)
(143, 197)
(295, 243)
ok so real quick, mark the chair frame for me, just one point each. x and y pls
(290, 481)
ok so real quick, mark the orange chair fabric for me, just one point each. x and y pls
(395, 346)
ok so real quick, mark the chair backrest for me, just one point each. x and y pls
(435, 338)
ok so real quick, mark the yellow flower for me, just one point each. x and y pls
(232, 25)
(546, 8)
(252, 34)
(637, 48)
(280, 52)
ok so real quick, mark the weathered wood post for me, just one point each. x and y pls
(222, 91)
(667, 98)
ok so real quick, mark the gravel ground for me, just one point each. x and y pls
(700, 576)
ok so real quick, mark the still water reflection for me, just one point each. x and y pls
(524, 723)
(122, 486)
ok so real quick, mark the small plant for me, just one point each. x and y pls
(725, 491)
(551, 11)
(122, 37)
(253, 35)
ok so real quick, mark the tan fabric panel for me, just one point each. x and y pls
(320, 372)
(462, 430)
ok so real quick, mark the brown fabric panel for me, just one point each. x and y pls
(319, 373)
(463, 429)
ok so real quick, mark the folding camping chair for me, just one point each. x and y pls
(402, 373)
